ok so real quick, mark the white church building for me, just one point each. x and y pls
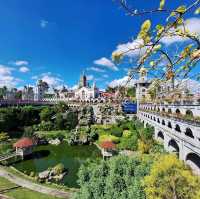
(85, 92)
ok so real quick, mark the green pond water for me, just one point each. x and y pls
(72, 157)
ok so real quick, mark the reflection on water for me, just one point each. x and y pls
(47, 156)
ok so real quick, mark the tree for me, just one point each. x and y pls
(46, 114)
(3, 137)
(3, 92)
(117, 178)
(59, 121)
(149, 48)
(28, 131)
(170, 179)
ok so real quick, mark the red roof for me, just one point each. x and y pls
(23, 143)
(106, 94)
(108, 145)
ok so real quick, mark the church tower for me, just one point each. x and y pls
(83, 80)
(142, 86)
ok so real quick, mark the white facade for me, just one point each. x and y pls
(28, 93)
(176, 125)
(86, 93)
(40, 90)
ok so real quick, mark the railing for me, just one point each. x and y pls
(175, 118)
(8, 156)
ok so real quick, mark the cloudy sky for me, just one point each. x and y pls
(57, 40)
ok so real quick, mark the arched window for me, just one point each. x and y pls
(154, 119)
(163, 109)
(170, 110)
(189, 114)
(178, 112)
(158, 120)
(189, 133)
(163, 122)
(177, 128)
(169, 125)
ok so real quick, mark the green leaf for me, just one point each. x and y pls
(181, 9)
(146, 26)
(162, 4)
(158, 27)
(157, 47)
(152, 63)
(197, 11)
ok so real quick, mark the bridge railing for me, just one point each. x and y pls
(174, 117)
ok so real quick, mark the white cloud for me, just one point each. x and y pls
(24, 69)
(52, 80)
(21, 62)
(5, 70)
(6, 77)
(106, 63)
(43, 23)
(192, 24)
(74, 87)
(105, 76)
(122, 82)
(131, 49)
(90, 77)
(96, 69)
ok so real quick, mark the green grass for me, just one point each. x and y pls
(21, 193)
(51, 185)
(52, 134)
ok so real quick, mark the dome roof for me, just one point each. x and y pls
(24, 143)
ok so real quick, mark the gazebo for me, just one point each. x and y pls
(24, 146)
(107, 148)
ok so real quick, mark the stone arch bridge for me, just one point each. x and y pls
(179, 137)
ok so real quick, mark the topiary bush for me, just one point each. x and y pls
(117, 131)
(127, 133)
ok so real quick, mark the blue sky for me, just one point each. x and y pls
(57, 40)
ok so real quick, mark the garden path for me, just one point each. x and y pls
(33, 186)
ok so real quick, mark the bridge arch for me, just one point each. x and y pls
(173, 147)
(169, 125)
(193, 160)
(160, 136)
(163, 122)
(170, 110)
(189, 113)
(189, 133)
(177, 128)
(178, 112)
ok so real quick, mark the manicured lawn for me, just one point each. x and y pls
(21, 193)
(52, 134)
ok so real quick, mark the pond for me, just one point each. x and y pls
(72, 157)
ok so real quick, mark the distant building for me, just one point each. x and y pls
(28, 93)
(65, 94)
(84, 92)
(10, 94)
(40, 90)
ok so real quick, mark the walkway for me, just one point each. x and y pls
(33, 186)
(8, 156)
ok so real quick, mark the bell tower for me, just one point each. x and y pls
(142, 86)
(83, 80)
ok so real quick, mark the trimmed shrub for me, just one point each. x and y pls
(127, 133)
(117, 131)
